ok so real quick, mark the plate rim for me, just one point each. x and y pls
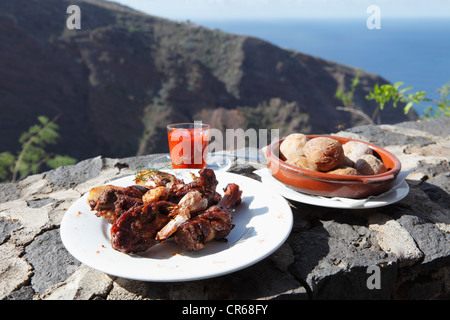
(328, 202)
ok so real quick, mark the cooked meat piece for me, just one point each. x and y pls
(213, 224)
(97, 192)
(110, 201)
(135, 191)
(159, 205)
(123, 204)
(135, 230)
(192, 202)
(156, 194)
(232, 197)
(206, 183)
(210, 225)
(152, 179)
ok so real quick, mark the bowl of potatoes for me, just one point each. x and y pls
(332, 166)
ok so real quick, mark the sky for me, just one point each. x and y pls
(274, 9)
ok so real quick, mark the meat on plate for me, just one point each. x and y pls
(161, 206)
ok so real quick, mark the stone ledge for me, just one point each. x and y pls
(326, 256)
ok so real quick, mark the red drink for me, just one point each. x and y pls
(188, 144)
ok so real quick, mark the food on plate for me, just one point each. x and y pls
(135, 230)
(110, 201)
(155, 178)
(213, 224)
(161, 206)
(348, 162)
(328, 155)
(292, 146)
(369, 165)
(302, 162)
(354, 150)
(156, 194)
(325, 153)
(347, 171)
(190, 204)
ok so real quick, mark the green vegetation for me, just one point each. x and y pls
(347, 101)
(347, 97)
(441, 107)
(33, 156)
(386, 93)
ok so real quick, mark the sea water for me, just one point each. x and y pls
(413, 51)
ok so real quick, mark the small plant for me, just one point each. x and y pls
(347, 100)
(33, 155)
(387, 92)
(442, 107)
(347, 97)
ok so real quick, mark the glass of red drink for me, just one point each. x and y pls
(188, 144)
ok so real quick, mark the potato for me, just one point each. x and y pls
(369, 165)
(302, 162)
(325, 153)
(347, 171)
(348, 162)
(292, 146)
(355, 149)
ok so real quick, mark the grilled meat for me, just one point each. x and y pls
(213, 224)
(136, 229)
(191, 203)
(153, 178)
(161, 205)
(110, 202)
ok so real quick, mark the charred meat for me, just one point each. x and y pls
(135, 230)
(153, 178)
(110, 202)
(191, 203)
(213, 224)
(161, 206)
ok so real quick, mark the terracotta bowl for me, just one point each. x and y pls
(333, 185)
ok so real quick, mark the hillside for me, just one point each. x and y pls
(119, 80)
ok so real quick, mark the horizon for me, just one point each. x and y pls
(287, 9)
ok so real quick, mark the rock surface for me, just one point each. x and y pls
(330, 253)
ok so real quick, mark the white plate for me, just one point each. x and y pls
(263, 222)
(218, 162)
(399, 190)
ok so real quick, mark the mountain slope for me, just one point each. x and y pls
(119, 80)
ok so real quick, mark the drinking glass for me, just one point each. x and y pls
(188, 144)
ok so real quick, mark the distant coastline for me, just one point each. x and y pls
(414, 51)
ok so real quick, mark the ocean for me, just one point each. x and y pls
(413, 51)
